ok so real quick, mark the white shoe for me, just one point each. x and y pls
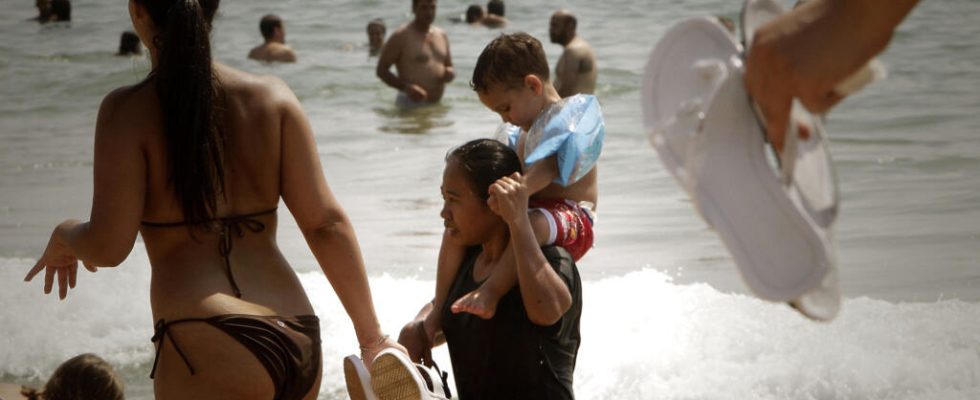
(777, 225)
(395, 377)
(358, 379)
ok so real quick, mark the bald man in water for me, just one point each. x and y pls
(420, 54)
(576, 69)
(274, 49)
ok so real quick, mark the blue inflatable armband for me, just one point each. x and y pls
(573, 130)
(508, 134)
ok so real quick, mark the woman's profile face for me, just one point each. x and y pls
(466, 216)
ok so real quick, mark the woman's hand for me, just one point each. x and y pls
(58, 260)
(417, 342)
(508, 197)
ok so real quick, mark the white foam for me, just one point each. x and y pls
(643, 337)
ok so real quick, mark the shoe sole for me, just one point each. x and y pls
(392, 380)
(355, 388)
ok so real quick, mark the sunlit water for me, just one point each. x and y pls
(665, 315)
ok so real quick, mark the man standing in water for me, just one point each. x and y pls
(274, 48)
(420, 54)
(576, 69)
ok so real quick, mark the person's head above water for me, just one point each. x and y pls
(470, 170)
(176, 33)
(85, 376)
(561, 29)
(376, 33)
(474, 14)
(271, 28)
(495, 7)
(129, 44)
(60, 10)
(43, 10)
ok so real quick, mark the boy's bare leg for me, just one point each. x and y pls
(450, 257)
(482, 302)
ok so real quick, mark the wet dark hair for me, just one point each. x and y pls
(485, 161)
(495, 7)
(507, 60)
(83, 377)
(190, 102)
(377, 22)
(474, 13)
(129, 43)
(268, 25)
(61, 10)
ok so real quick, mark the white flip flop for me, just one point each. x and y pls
(395, 377)
(358, 379)
(704, 127)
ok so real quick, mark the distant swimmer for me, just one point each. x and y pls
(376, 35)
(474, 15)
(129, 44)
(274, 49)
(420, 54)
(43, 11)
(52, 11)
(576, 69)
(60, 10)
(495, 15)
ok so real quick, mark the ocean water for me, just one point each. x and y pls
(666, 316)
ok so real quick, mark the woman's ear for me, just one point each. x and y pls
(534, 83)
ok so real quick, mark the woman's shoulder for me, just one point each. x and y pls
(240, 83)
(126, 106)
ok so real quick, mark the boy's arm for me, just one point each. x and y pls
(545, 295)
(540, 174)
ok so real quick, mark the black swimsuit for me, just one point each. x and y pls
(288, 347)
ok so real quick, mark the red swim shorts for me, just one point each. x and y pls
(570, 224)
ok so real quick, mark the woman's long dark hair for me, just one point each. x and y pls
(190, 101)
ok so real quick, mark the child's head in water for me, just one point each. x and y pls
(85, 376)
(129, 44)
(511, 78)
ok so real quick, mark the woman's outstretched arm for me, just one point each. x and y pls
(117, 203)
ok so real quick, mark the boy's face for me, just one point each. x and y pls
(516, 106)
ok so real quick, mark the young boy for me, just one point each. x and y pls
(511, 79)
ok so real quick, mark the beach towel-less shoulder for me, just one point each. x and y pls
(774, 216)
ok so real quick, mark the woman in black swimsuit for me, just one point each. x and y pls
(195, 158)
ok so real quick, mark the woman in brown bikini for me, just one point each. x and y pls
(195, 158)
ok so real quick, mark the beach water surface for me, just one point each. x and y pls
(666, 315)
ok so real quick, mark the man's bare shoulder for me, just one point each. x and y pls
(399, 33)
(256, 52)
(580, 48)
(270, 52)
